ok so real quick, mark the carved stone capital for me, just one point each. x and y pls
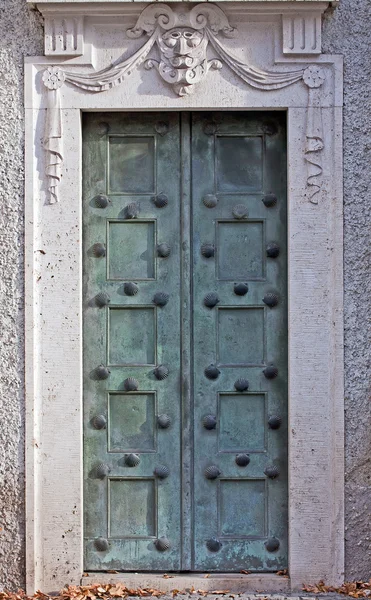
(64, 35)
(301, 33)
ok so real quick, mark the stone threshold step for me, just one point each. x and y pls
(236, 583)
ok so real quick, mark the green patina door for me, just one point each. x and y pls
(185, 341)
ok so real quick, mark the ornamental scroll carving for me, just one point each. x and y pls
(183, 39)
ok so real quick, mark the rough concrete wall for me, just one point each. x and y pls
(20, 35)
(347, 31)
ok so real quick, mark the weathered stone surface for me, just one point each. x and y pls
(346, 31)
(21, 35)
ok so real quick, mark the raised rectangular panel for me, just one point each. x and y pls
(131, 252)
(240, 336)
(131, 422)
(64, 35)
(132, 508)
(240, 250)
(239, 164)
(131, 163)
(241, 422)
(302, 33)
(242, 511)
(131, 336)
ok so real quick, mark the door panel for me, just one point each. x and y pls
(185, 463)
(240, 512)
(132, 417)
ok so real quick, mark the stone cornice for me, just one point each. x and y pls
(65, 21)
(115, 7)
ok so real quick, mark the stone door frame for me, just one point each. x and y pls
(54, 268)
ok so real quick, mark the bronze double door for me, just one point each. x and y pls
(185, 341)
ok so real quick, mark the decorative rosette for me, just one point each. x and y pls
(313, 76)
(54, 78)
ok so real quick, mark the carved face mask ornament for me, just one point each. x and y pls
(183, 58)
(183, 47)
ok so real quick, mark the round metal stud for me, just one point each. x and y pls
(103, 128)
(162, 544)
(212, 472)
(270, 299)
(270, 372)
(272, 544)
(212, 372)
(241, 385)
(269, 128)
(102, 372)
(274, 422)
(131, 384)
(130, 288)
(213, 544)
(163, 250)
(210, 200)
(101, 201)
(208, 250)
(209, 422)
(162, 472)
(162, 128)
(103, 470)
(161, 298)
(101, 544)
(240, 211)
(242, 460)
(271, 471)
(163, 421)
(102, 299)
(210, 128)
(132, 460)
(99, 422)
(161, 372)
(99, 250)
(240, 289)
(269, 200)
(273, 250)
(132, 210)
(211, 299)
(161, 200)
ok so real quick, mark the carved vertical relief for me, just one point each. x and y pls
(53, 79)
(314, 78)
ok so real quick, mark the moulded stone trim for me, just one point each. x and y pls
(54, 317)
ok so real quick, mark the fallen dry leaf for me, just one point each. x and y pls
(354, 589)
